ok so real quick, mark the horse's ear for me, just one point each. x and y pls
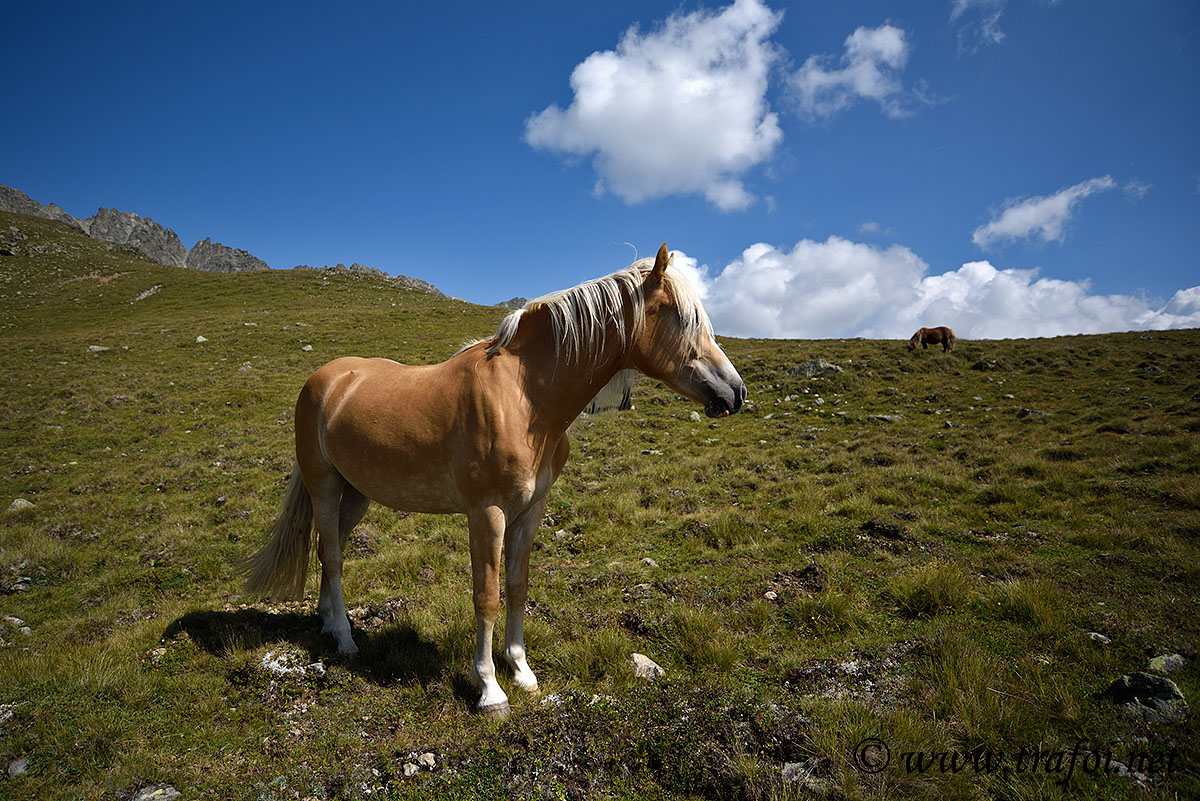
(660, 262)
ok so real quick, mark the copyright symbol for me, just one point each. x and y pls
(872, 755)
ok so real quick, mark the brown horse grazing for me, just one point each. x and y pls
(933, 336)
(484, 434)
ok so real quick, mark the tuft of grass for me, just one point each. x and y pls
(931, 589)
(1034, 603)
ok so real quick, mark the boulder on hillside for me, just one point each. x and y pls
(513, 303)
(214, 257)
(814, 369)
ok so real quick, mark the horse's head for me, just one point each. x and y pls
(675, 343)
(912, 343)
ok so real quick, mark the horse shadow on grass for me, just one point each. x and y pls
(392, 654)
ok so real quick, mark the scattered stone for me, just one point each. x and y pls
(651, 453)
(18, 767)
(201, 338)
(813, 369)
(771, 595)
(19, 505)
(645, 667)
(1096, 636)
(809, 774)
(410, 770)
(98, 348)
(648, 562)
(306, 348)
(1167, 663)
(886, 418)
(696, 418)
(157, 792)
(427, 760)
(283, 662)
(1030, 414)
(25, 631)
(15, 621)
(1147, 696)
(147, 293)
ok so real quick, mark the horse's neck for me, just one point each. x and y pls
(559, 386)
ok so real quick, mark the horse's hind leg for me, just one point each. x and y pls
(327, 497)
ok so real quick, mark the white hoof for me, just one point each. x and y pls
(497, 711)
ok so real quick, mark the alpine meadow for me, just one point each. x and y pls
(904, 573)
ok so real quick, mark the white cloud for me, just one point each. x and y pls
(980, 23)
(870, 70)
(839, 288)
(1041, 218)
(679, 110)
(1135, 189)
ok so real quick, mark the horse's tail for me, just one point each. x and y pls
(281, 567)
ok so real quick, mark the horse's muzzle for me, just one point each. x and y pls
(727, 402)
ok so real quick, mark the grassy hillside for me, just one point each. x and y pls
(916, 550)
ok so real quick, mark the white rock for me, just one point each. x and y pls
(18, 767)
(410, 769)
(427, 760)
(805, 774)
(696, 418)
(306, 348)
(648, 562)
(202, 338)
(98, 348)
(771, 595)
(1167, 663)
(284, 662)
(1096, 636)
(16, 621)
(157, 792)
(645, 667)
(19, 505)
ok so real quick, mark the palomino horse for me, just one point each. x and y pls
(933, 336)
(483, 433)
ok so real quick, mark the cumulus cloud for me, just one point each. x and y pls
(1042, 218)
(679, 110)
(869, 69)
(840, 288)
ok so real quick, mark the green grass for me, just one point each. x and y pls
(809, 575)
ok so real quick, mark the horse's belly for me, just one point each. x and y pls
(399, 481)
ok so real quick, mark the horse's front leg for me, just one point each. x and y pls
(518, 542)
(487, 537)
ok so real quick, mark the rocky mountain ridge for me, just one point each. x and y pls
(161, 244)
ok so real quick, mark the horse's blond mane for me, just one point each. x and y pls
(580, 316)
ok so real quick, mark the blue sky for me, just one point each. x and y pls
(1005, 167)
